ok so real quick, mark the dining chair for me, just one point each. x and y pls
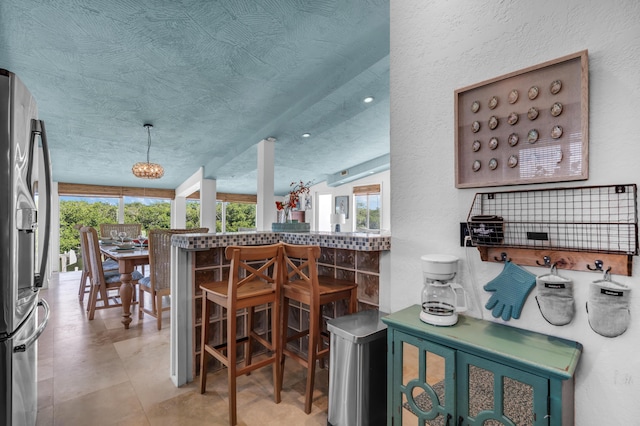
(132, 229)
(301, 283)
(253, 281)
(158, 283)
(85, 278)
(102, 282)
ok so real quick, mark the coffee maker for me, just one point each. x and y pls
(441, 298)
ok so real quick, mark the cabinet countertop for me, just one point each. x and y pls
(342, 240)
(549, 355)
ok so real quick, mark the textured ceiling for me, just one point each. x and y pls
(213, 77)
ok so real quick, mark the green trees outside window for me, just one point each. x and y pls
(151, 215)
(93, 213)
(367, 212)
(83, 213)
(237, 215)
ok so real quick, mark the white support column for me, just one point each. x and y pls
(208, 204)
(179, 212)
(265, 210)
(181, 338)
(121, 209)
(179, 205)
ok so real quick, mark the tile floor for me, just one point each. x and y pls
(98, 373)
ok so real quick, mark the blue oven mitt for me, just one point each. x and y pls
(511, 289)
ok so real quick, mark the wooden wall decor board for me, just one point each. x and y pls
(528, 126)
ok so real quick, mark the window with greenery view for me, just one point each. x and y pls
(236, 215)
(86, 212)
(367, 211)
(151, 213)
(91, 211)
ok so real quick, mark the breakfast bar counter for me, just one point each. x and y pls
(343, 240)
(197, 258)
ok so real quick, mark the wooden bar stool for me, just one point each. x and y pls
(253, 280)
(302, 284)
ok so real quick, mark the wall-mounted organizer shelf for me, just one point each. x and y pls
(583, 228)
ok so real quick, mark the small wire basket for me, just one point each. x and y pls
(591, 218)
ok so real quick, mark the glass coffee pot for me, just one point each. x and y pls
(441, 299)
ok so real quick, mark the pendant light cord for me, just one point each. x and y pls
(148, 126)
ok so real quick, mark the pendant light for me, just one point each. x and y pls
(148, 170)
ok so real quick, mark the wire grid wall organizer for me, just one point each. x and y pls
(601, 219)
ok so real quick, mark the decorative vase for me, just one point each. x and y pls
(284, 215)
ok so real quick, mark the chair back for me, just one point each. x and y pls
(251, 264)
(95, 258)
(132, 229)
(301, 267)
(160, 254)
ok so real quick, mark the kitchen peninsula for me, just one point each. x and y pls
(197, 258)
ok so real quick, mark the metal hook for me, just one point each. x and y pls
(607, 274)
(546, 260)
(503, 258)
(599, 264)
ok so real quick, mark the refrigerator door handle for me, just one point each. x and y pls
(31, 339)
(37, 128)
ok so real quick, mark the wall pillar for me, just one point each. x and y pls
(208, 204)
(179, 212)
(265, 210)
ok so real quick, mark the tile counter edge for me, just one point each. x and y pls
(343, 240)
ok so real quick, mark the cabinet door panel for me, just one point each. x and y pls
(492, 394)
(425, 388)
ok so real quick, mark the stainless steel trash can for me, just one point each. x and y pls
(358, 370)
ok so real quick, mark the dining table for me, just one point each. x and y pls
(127, 262)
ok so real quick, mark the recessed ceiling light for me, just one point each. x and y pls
(306, 135)
(368, 99)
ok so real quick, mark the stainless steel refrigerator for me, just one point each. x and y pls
(22, 270)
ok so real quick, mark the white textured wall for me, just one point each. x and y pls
(437, 47)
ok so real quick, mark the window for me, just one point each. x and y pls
(235, 211)
(367, 201)
(86, 211)
(151, 213)
(193, 214)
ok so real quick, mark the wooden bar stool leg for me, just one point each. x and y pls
(249, 345)
(203, 342)
(284, 337)
(314, 340)
(353, 301)
(277, 348)
(231, 361)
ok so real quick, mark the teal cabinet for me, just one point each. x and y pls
(477, 373)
